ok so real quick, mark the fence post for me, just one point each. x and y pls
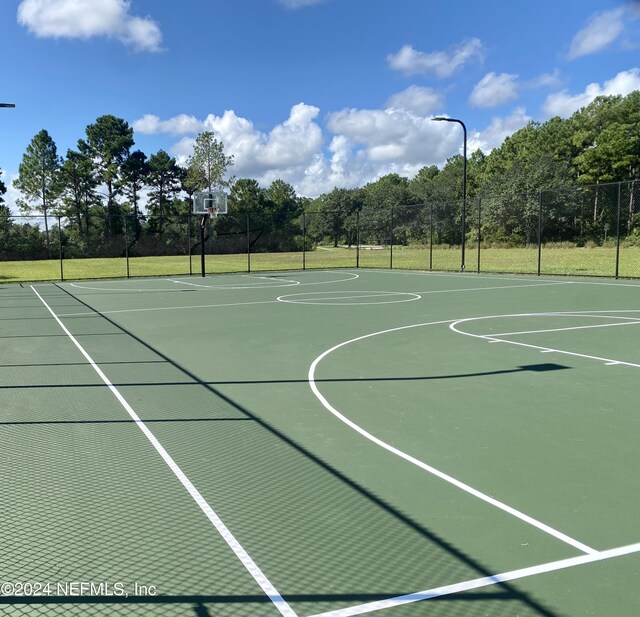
(202, 259)
(357, 238)
(430, 237)
(618, 232)
(60, 247)
(188, 227)
(126, 242)
(539, 230)
(304, 241)
(248, 247)
(479, 226)
(391, 240)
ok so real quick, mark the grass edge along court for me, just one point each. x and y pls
(574, 261)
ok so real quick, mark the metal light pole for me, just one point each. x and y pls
(464, 182)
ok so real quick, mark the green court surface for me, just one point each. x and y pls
(320, 443)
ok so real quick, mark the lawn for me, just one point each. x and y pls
(597, 261)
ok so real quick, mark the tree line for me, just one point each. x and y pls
(555, 178)
(98, 189)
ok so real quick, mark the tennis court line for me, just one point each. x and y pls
(492, 338)
(592, 313)
(289, 282)
(167, 308)
(447, 291)
(267, 587)
(422, 465)
(485, 581)
(175, 308)
(216, 287)
(602, 325)
(498, 278)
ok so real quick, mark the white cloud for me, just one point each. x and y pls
(183, 149)
(546, 80)
(84, 19)
(292, 144)
(564, 104)
(364, 145)
(442, 63)
(393, 136)
(498, 130)
(287, 151)
(599, 32)
(371, 126)
(494, 90)
(352, 148)
(416, 99)
(178, 125)
(12, 194)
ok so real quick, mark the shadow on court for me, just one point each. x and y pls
(208, 605)
(323, 539)
(537, 368)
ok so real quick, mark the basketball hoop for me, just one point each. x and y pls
(211, 212)
(209, 204)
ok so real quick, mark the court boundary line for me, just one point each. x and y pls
(497, 287)
(493, 338)
(250, 565)
(289, 283)
(485, 581)
(169, 308)
(281, 283)
(421, 464)
(421, 293)
(627, 322)
(497, 277)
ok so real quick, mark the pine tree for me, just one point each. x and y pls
(38, 178)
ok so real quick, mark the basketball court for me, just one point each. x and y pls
(320, 443)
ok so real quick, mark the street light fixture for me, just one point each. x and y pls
(464, 181)
(7, 105)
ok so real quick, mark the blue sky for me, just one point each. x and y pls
(320, 93)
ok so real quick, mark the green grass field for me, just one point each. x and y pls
(564, 261)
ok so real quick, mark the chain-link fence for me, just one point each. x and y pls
(592, 230)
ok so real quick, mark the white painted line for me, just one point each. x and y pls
(171, 308)
(566, 353)
(280, 283)
(272, 278)
(418, 463)
(351, 276)
(588, 313)
(85, 314)
(260, 578)
(604, 325)
(352, 295)
(485, 581)
(490, 337)
(450, 291)
(521, 277)
(131, 290)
